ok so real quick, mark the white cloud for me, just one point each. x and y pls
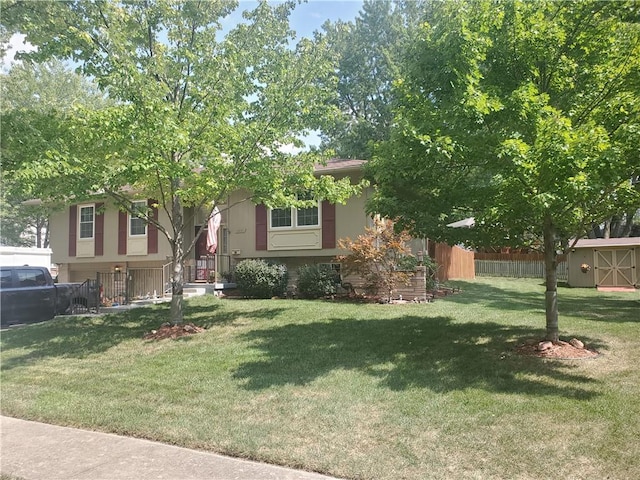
(16, 44)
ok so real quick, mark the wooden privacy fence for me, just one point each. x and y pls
(516, 265)
(453, 262)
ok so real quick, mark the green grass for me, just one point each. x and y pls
(356, 391)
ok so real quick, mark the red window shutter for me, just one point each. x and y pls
(328, 224)
(73, 229)
(152, 230)
(261, 227)
(123, 219)
(99, 240)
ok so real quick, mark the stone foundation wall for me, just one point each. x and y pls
(416, 290)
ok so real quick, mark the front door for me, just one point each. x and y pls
(205, 262)
(201, 244)
(615, 268)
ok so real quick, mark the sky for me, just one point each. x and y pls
(310, 16)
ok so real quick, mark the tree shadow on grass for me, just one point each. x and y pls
(410, 352)
(207, 316)
(81, 336)
(572, 302)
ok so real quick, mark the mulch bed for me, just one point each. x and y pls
(167, 330)
(560, 350)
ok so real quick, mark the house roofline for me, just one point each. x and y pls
(339, 165)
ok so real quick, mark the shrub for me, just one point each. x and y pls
(260, 279)
(317, 281)
(407, 263)
(375, 256)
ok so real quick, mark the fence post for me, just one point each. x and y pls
(127, 279)
(99, 286)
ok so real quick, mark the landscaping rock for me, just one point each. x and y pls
(556, 350)
(543, 346)
(576, 343)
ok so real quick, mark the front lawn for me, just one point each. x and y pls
(356, 391)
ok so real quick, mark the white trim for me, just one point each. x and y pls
(294, 219)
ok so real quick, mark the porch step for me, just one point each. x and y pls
(196, 289)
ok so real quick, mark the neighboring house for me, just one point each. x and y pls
(604, 262)
(95, 237)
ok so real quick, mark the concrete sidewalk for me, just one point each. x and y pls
(37, 451)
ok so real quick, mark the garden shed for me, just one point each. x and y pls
(604, 263)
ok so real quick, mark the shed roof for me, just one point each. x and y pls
(607, 242)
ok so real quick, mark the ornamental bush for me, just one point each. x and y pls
(375, 256)
(317, 281)
(260, 279)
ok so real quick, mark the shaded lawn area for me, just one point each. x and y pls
(356, 391)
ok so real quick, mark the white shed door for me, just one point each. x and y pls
(615, 268)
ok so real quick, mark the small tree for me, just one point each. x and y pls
(376, 255)
(524, 115)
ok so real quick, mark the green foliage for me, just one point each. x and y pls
(525, 115)
(368, 50)
(514, 112)
(317, 281)
(202, 110)
(36, 101)
(260, 279)
(407, 263)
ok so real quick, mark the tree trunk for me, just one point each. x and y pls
(38, 236)
(551, 277)
(177, 292)
(177, 281)
(628, 224)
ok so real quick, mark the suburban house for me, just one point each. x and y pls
(97, 238)
(132, 259)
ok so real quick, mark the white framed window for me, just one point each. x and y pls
(307, 217)
(86, 221)
(281, 217)
(296, 217)
(137, 225)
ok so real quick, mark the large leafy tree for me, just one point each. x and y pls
(367, 50)
(202, 109)
(525, 115)
(35, 100)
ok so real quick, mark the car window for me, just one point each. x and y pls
(31, 278)
(5, 278)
